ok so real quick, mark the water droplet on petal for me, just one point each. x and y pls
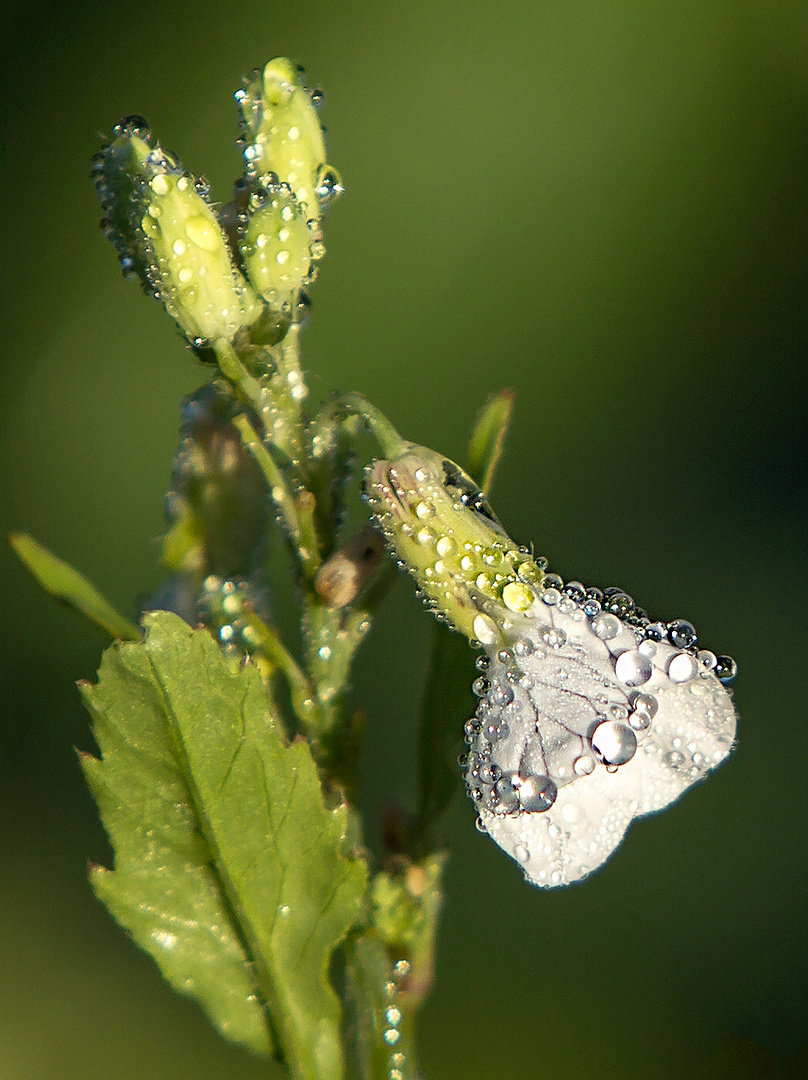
(484, 629)
(606, 626)
(614, 742)
(554, 637)
(682, 667)
(633, 668)
(682, 633)
(584, 765)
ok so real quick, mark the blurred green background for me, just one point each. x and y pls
(602, 203)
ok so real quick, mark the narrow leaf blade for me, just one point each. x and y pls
(488, 437)
(66, 583)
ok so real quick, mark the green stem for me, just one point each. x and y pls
(297, 514)
(301, 692)
(325, 425)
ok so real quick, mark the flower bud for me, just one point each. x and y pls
(440, 526)
(279, 247)
(283, 137)
(168, 235)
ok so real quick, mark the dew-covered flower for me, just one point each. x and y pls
(590, 714)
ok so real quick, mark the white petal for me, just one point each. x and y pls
(542, 704)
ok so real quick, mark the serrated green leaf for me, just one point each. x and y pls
(488, 437)
(63, 581)
(229, 866)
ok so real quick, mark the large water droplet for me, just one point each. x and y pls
(682, 633)
(614, 742)
(537, 793)
(203, 232)
(682, 667)
(484, 629)
(633, 668)
(606, 626)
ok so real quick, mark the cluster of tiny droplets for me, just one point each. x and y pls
(221, 607)
(392, 1019)
(613, 741)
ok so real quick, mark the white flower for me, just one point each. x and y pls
(584, 724)
(590, 715)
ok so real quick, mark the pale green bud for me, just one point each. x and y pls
(441, 528)
(279, 247)
(283, 137)
(168, 235)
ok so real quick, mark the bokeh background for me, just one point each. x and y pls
(602, 203)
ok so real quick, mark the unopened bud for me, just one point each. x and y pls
(279, 247)
(167, 234)
(283, 136)
(441, 528)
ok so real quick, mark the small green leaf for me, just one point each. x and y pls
(229, 863)
(488, 437)
(60, 579)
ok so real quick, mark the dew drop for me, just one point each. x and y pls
(633, 668)
(202, 232)
(554, 637)
(484, 629)
(707, 660)
(584, 765)
(521, 852)
(445, 546)
(614, 742)
(507, 793)
(516, 596)
(725, 668)
(159, 184)
(502, 694)
(682, 667)
(537, 794)
(606, 626)
(682, 633)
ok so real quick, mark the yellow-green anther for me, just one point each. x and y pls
(441, 528)
(169, 236)
(283, 137)
(279, 246)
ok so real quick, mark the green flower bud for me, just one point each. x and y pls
(283, 138)
(168, 235)
(279, 247)
(440, 526)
